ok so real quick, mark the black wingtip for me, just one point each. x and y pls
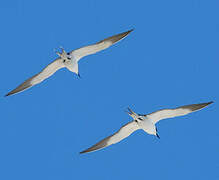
(210, 102)
(12, 93)
(131, 29)
(82, 152)
(7, 95)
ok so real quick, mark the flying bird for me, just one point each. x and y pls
(69, 60)
(145, 122)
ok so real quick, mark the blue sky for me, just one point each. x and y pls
(171, 59)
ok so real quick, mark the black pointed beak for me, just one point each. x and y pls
(128, 111)
(157, 135)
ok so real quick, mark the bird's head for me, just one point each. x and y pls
(132, 113)
(63, 55)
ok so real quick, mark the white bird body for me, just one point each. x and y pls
(147, 125)
(145, 122)
(72, 64)
(69, 60)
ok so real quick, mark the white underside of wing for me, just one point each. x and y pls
(167, 113)
(45, 73)
(99, 46)
(91, 49)
(124, 132)
(48, 71)
(180, 111)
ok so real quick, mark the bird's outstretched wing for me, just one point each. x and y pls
(101, 45)
(124, 132)
(45, 73)
(179, 111)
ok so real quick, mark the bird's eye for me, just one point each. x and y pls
(64, 60)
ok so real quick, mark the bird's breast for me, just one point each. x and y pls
(147, 126)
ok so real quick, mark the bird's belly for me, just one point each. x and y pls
(147, 126)
(72, 66)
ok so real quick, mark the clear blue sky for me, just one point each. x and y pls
(171, 59)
